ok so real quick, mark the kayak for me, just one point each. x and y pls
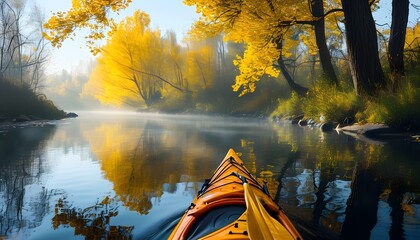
(232, 204)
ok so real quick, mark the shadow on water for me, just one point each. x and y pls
(341, 188)
(21, 164)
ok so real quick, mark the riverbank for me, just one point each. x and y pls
(21, 121)
(22, 106)
(374, 133)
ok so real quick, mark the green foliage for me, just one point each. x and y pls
(323, 100)
(399, 109)
(289, 107)
(331, 103)
(16, 100)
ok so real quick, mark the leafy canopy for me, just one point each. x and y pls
(91, 14)
(133, 50)
(261, 25)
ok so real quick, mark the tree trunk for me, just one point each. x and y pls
(362, 47)
(397, 39)
(321, 42)
(300, 90)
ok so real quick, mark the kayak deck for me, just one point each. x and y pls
(225, 190)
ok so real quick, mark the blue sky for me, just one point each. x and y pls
(165, 14)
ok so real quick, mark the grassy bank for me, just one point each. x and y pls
(398, 107)
(16, 100)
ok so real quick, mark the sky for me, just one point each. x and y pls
(165, 15)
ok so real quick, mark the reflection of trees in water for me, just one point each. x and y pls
(92, 222)
(141, 160)
(395, 201)
(21, 164)
(362, 205)
(376, 172)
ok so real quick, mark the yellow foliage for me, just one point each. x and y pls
(134, 49)
(255, 63)
(91, 14)
(412, 45)
(201, 65)
(308, 39)
(137, 66)
(259, 24)
(412, 37)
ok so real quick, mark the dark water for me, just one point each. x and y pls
(132, 175)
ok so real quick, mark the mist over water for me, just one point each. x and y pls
(122, 174)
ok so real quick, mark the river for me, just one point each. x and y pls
(131, 175)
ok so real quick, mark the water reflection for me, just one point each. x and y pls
(17, 172)
(343, 180)
(92, 222)
(107, 175)
(140, 160)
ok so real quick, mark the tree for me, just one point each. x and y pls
(137, 65)
(22, 54)
(317, 9)
(362, 47)
(295, 87)
(37, 58)
(11, 39)
(261, 25)
(129, 67)
(397, 38)
(258, 23)
(201, 64)
(174, 57)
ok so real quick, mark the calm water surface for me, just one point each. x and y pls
(131, 175)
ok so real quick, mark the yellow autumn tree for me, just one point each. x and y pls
(131, 68)
(174, 60)
(201, 65)
(412, 46)
(267, 29)
(259, 24)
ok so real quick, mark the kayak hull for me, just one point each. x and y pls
(226, 189)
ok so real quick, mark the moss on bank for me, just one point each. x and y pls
(16, 100)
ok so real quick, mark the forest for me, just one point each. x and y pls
(324, 59)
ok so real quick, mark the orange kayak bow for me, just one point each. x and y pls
(233, 205)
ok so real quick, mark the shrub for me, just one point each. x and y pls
(332, 104)
(289, 107)
(399, 109)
